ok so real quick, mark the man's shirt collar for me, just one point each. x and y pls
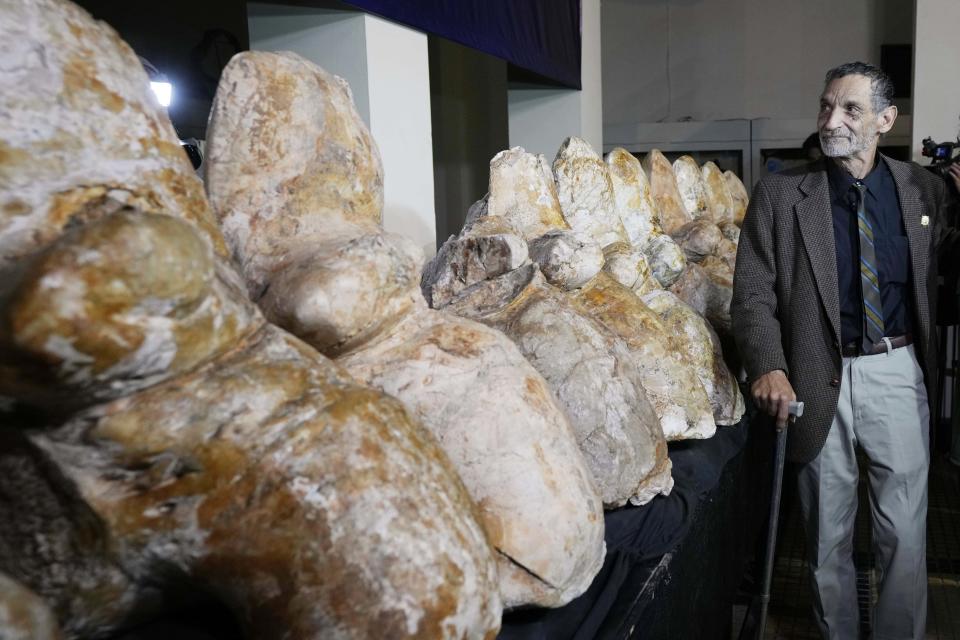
(842, 182)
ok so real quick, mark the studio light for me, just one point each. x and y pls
(163, 91)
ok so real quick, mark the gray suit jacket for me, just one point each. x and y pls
(786, 305)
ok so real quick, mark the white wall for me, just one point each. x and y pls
(936, 80)
(399, 89)
(541, 118)
(386, 66)
(669, 60)
(591, 74)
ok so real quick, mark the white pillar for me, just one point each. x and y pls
(541, 118)
(386, 66)
(936, 85)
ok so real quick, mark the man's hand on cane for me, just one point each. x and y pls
(772, 393)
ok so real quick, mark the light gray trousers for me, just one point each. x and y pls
(883, 411)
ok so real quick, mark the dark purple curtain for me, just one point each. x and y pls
(539, 36)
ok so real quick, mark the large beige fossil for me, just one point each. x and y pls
(521, 183)
(641, 217)
(739, 194)
(296, 183)
(693, 191)
(666, 194)
(631, 194)
(77, 126)
(586, 366)
(178, 442)
(255, 470)
(496, 418)
(708, 287)
(689, 347)
(271, 231)
(670, 381)
(512, 445)
(78, 131)
(718, 194)
(585, 193)
(628, 265)
(698, 239)
(701, 345)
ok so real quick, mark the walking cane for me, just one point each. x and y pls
(795, 411)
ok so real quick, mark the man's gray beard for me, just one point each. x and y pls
(841, 147)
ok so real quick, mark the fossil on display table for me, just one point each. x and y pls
(640, 216)
(665, 192)
(485, 274)
(718, 193)
(739, 194)
(296, 181)
(710, 241)
(165, 440)
(693, 190)
(619, 305)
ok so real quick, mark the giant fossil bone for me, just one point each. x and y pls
(176, 441)
(295, 179)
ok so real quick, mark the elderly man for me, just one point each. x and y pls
(832, 303)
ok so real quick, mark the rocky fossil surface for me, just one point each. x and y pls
(295, 179)
(641, 217)
(586, 366)
(262, 473)
(168, 438)
(665, 192)
(740, 195)
(600, 283)
(718, 194)
(585, 193)
(615, 292)
(692, 188)
(704, 244)
(693, 334)
(165, 438)
(710, 241)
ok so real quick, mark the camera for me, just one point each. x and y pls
(940, 154)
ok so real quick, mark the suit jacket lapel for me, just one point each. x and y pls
(815, 219)
(918, 237)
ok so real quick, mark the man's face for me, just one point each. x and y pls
(847, 122)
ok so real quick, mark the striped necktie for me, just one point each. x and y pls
(869, 280)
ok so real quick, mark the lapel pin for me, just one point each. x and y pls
(924, 221)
